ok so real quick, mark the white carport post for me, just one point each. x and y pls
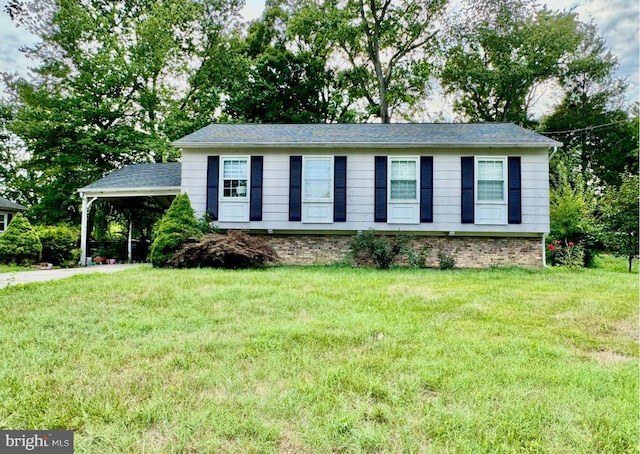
(86, 204)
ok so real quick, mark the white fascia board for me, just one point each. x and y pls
(361, 145)
(130, 192)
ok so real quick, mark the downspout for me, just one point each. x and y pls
(86, 204)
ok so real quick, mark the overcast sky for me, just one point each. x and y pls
(617, 20)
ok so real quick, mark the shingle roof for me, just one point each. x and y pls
(8, 205)
(136, 176)
(441, 135)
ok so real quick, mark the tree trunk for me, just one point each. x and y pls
(631, 256)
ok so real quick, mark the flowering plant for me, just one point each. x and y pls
(566, 254)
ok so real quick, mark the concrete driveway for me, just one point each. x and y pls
(25, 277)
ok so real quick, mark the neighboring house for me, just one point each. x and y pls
(7, 210)
(479, 191)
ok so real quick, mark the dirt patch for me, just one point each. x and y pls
(609, 358)
(629, 328)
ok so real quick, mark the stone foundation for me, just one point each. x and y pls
(469, 252)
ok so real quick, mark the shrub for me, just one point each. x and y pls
(569, 254)
(178, 225)
(20, 243)
(380, 250)
(59, 244)
(233, 250)
(384, 251)
(446, 260)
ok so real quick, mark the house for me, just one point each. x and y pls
(7, 210)
(479, 191)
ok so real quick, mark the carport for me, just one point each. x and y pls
(159, 181)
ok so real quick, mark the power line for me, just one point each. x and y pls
(588, 128)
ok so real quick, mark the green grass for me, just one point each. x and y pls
(326, 359)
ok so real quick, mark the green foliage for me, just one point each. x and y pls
(593, 96)
(572, 204)
(59, 244)
(446, 260)
(233, 250)
(499, 52)
(20, 244)
(384, 251)
(178, 225)
(620, 216)
(103, 92)
(389, 47)
(206, 224)
(566, 254)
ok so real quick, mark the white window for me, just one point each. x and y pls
(317, 189)
(235, 176)
(3, 222)
(403, 186)
(491, 187)
(234, 189)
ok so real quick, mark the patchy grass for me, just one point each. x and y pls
(14, 268)
(326, 359)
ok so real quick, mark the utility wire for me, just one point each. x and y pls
(588, 128)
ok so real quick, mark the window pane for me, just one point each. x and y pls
(235, 188)
(317, 178)
(318, 168)
(235, 169)
(2, 223)
(318, 189)
(491, 190)
(403, 189)
(403, 170)
(490, 170)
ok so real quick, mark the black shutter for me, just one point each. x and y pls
(380, 213)
(515, 193)
(340, 189)
(467, 190)
(255, 202)
(213, 171)
(426, 189)
(295, 188)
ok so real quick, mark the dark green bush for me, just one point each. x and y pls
(233, 250)
(446, 260)
(59, 244)
(177, 226)
(384, 251)
(20, 243)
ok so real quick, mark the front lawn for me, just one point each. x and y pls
(326, 359)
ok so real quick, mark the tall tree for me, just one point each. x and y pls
(385, 49)
(620, 216)
(281, 83)
(499, 52)
(110, 75)
(598, 134)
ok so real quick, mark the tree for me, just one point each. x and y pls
(572, 204)
(110, 75)
(599, 136)
(621, 218)
(499, 52)
(177, 226)
(388, 48)
(279, 85)
(20, 243)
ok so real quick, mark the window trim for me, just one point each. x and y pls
(488, 203)
(416, 161)
(222, 197)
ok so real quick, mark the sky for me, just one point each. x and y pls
(617, 20)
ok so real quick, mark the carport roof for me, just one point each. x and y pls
(139, 179)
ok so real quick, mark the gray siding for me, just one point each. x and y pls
(360, 189)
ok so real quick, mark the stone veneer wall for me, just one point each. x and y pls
(469, 252)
